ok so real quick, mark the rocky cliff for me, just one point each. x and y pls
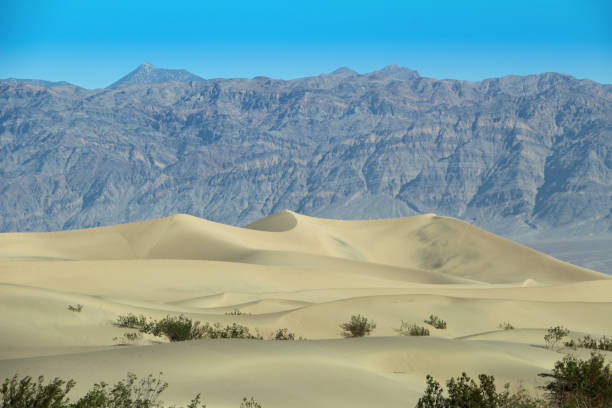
(511, 154)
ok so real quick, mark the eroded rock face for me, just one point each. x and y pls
(509, 154)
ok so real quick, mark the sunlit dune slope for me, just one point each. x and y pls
(425, 248)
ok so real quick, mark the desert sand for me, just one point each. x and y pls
(308, 275)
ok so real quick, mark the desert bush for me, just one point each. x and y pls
(249, 403)
(521, 399)
(581, 383)
(131, 321)
(181, 328)
(505, 326)
(284, 334)
(408, 329)
(128, 393)
(436, 322)
(589, 342)
(178, 328)
(575, 384)
(464, 392)
(554, 335)
(26, 393)
(77, 308)
(235, 312)
(358, 326)
(233, 331)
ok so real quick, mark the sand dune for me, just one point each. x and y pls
(297, 272)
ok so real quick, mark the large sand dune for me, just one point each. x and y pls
(302, 273)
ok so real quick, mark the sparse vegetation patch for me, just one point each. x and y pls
(581, 383)
(464, 392)
(554, 335)
(127, 393)
(284, 334)
(131, 321)
(182, 328)
(589, 342)
(249, 403)
(436, 322)
(75, 308)
(575, 384)
(235, 312)
(411, 329)
(233, 331)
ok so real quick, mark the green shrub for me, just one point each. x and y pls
(182, 328)
(131, 321)
(554, 335)
(233, 331)
(178, 328)
(463, 392)
(466, 393)
(235, 312)
(357, 327)
(581, 383)
(25, 393)
(408, 329)
(77, 308)
(284, 334)
(505, 326)
(520, 399)
(575, 384)
(589, 342)
(436, 322)
(128, 393)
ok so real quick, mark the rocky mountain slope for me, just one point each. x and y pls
(147, 73)
(513, 154)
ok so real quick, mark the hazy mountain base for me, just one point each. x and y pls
(590, 252)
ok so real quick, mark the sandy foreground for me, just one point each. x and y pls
(305, 274)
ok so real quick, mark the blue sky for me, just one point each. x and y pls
(93, 43)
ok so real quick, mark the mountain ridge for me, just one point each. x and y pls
(160, 75)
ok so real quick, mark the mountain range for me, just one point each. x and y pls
(516, 155)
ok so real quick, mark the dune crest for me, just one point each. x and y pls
(280, 221)
(426, 243)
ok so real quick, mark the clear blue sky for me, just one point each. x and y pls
(92, 43)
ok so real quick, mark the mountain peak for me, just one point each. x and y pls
(344, 71)
(148, 73)
(397, 72)
(146, 66)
